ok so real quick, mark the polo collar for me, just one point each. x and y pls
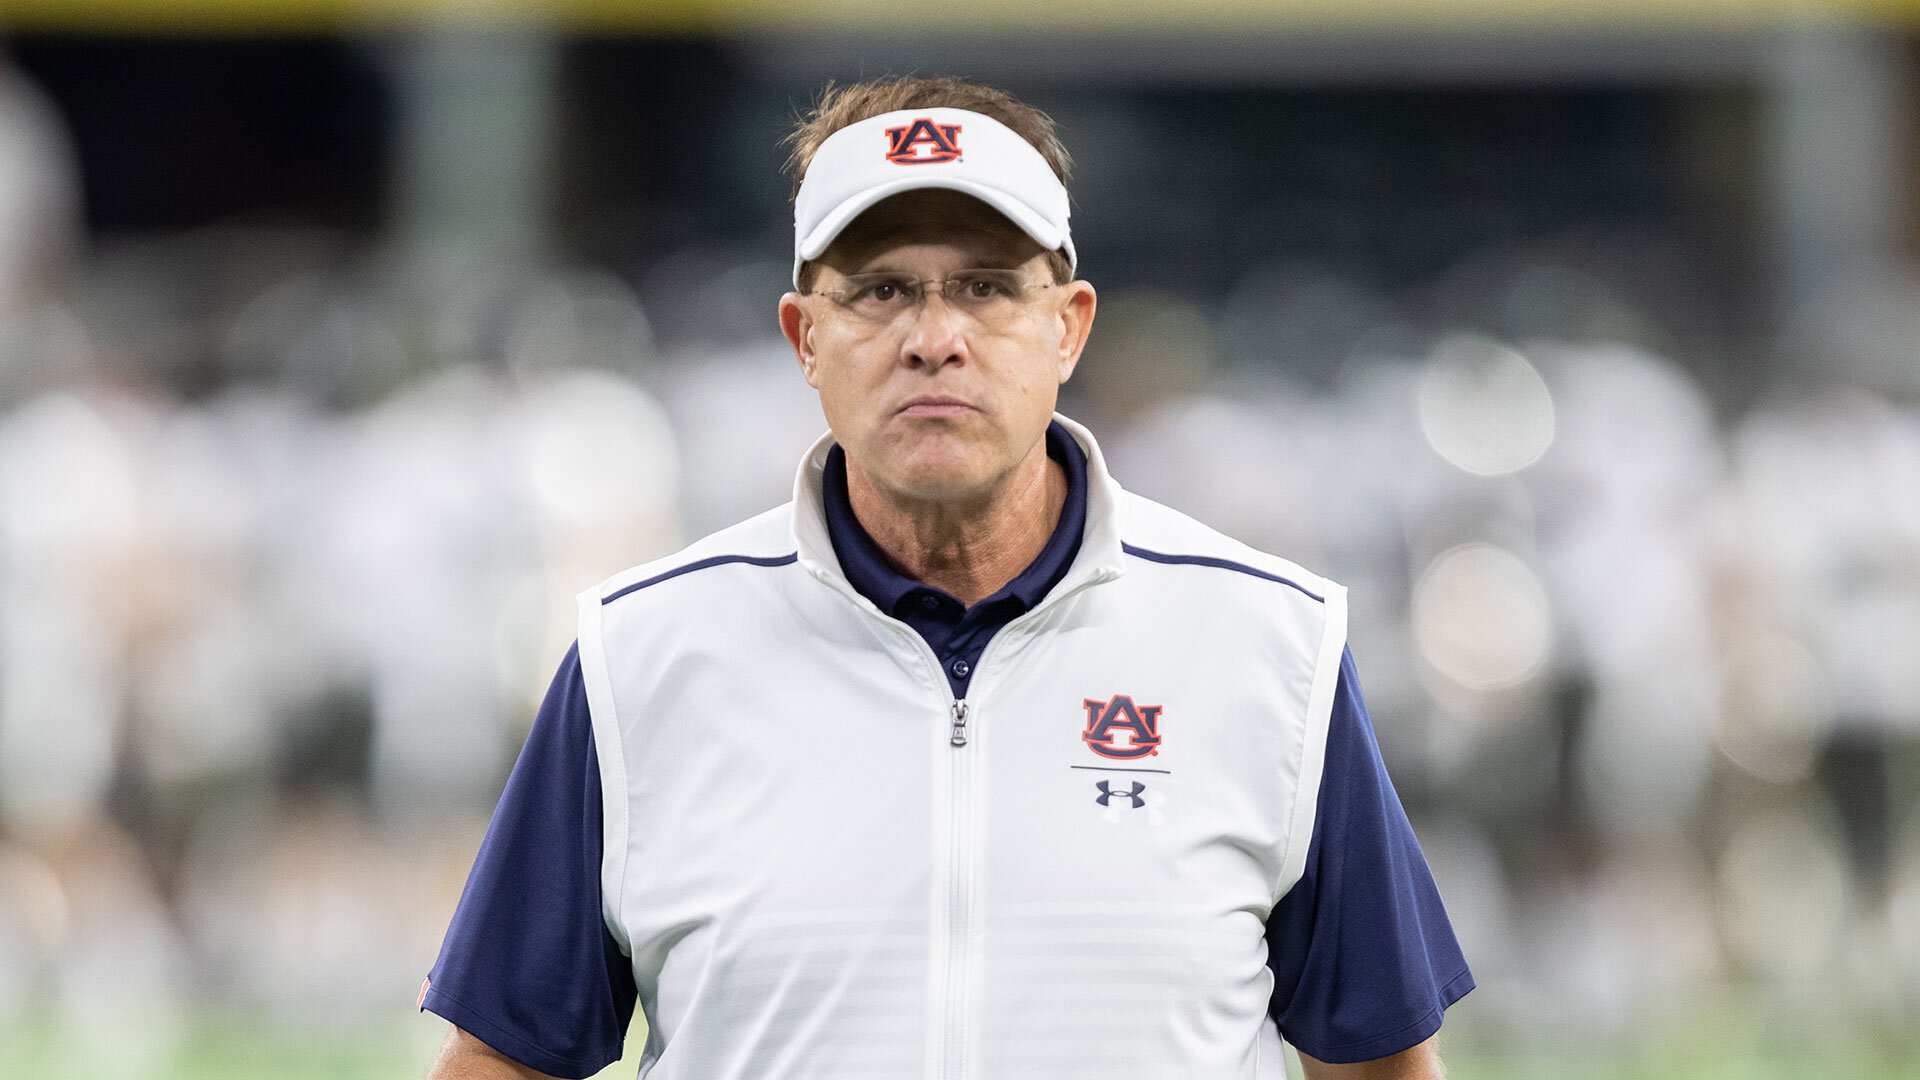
(1099, 554)
(867, 569)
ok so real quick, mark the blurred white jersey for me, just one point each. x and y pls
(831, 867)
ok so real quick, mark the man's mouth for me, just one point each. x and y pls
(932, 406)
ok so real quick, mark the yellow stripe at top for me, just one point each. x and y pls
(979, 16)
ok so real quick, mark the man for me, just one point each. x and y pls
(965, 763)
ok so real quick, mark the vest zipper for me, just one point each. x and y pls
(960, 830)
(960, 863)
(959, 897)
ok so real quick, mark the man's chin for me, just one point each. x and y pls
(939, 475)
(943, 486)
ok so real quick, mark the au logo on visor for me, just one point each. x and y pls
(923, 142)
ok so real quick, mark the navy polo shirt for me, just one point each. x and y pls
(1364, 960)
(958, 633)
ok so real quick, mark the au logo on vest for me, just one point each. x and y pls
(1120, 729)
(923, 142)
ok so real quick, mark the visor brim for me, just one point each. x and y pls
(1029, 221)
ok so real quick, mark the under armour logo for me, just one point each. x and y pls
(1134, 796)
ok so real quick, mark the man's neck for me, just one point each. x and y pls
(969, 551)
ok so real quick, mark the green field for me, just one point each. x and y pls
(1721, 1046)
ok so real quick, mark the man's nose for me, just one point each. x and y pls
(936, 336)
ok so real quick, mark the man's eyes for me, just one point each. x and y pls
(883, 290)
(976, 286)
(983, 286)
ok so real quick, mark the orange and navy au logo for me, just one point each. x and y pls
(1120, 729)
(923, 142)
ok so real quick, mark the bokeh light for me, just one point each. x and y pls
(1482, 618)
(1778, 708)
(1483, 407)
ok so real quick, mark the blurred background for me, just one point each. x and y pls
(343, 341)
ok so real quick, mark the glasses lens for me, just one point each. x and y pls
(878, 296)
(985, 293)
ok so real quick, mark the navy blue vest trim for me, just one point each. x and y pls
(1219, 564)
(717, 560)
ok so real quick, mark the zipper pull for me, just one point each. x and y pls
(959, 723)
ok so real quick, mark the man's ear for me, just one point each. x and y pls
(1076, 322)
(796, 322)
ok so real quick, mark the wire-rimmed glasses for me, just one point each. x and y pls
(991, 296)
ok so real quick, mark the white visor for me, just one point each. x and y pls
(884, 155)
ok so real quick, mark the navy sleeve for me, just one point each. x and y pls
(1364, 960)
(528, 965)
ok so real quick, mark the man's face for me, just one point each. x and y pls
(937, 403)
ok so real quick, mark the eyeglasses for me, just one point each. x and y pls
(989, 296)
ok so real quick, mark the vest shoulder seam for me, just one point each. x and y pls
(1218, 563)
(701, 564)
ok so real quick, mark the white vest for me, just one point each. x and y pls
(824, 866)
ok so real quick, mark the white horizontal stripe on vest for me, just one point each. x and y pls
(813, 880)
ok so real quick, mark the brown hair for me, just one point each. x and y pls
(839, 106)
